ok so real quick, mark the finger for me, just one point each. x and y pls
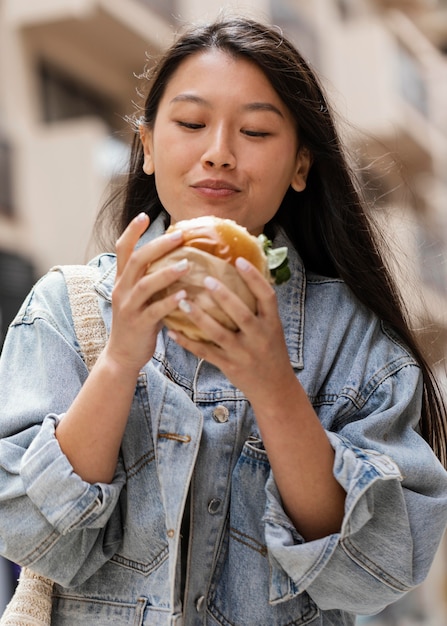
(209, 326)
(256, 282)
(157, 311)
(137, 261)
(160, 246)
(128, 240)
(209, 351)
(229, 302)
(247, 320)
(150, 284)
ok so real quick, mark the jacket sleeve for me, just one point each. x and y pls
(46, 510)
(395, 510)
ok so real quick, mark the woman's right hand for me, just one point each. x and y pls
(136, 320)
(91, 431)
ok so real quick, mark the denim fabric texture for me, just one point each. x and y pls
(113, 549)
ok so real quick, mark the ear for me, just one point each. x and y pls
(146, 140)
(303, 164)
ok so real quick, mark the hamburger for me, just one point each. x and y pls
(212, 245)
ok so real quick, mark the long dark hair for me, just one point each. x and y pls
(327, 222)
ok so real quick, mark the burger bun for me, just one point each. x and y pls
(211, 245)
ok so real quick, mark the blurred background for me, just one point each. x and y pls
(69, 77)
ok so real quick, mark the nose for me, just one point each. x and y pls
(219, 152)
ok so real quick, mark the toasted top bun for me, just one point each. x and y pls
(223, 238)
(211, 245)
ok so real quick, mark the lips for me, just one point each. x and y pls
(213, 185)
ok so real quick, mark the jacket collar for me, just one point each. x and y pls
(291, 296)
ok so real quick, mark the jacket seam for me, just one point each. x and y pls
(145, 568)
(373, 568)
(82, 518)
(31, 318)
(118, 603)
(358, 399)
(138, 466)
(392, 337)
(42, 548)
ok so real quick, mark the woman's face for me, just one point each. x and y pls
(223, 143)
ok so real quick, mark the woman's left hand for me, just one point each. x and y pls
(253, 357)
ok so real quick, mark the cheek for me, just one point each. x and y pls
(280, 160)
(170, 166)
(276, 173)
(180, 156)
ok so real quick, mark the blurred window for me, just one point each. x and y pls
(412, 84)
(166, 8)
(64, 97)
(6, 203)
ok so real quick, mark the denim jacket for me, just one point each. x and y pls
(192, 444)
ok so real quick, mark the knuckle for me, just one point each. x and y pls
(271, 296)
(246, 317)
(120, 243)
(133, 258)
(271, 292)
(116, 293)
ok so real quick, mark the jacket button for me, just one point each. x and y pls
(221, 414)
(214, 506)
(199, 603)
(170, 533)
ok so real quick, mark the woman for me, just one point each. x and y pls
(281, 474)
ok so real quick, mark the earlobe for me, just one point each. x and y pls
(304, 162)
(148, 165)
(146, 140)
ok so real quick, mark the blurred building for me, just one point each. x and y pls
(69, 77)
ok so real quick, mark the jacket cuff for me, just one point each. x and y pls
(295, 563)
(64, 499)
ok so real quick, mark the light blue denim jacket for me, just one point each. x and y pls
(113, 549)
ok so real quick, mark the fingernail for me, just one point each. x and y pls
(242, 263)
(184, 306)
(211, 283)
(141, 217)
(180, 295)
(176, 235)
(181, 266)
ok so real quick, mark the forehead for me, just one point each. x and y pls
(216, 73)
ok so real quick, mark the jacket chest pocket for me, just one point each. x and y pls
(239, 593)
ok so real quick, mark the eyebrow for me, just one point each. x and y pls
(251, 106)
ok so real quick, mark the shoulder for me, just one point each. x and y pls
(49, 302)
(46, 300)
(103, 262)
(349, 352)
(350, 321)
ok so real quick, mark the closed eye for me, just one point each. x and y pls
(190, 125)
(255, 133)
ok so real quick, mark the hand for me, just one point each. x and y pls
(136, 320)
(255, 357)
